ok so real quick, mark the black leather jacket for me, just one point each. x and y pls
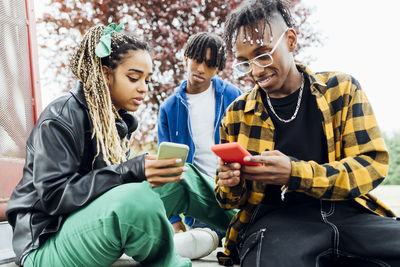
(59, 177)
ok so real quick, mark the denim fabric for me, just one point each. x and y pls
(319, 233)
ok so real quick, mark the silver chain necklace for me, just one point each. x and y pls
(297, 106)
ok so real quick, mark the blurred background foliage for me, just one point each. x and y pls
(166, 24)
(393, 145)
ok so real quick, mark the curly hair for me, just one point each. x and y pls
(253, 16)
(87, 67)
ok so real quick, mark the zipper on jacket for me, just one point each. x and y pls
(218, 117)
(188, 125)
(177, 121)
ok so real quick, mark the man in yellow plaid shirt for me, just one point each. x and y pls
(320, 150)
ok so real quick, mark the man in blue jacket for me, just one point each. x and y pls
(193, 113)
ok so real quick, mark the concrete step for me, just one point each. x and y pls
(208, 261)
(6, 253)
(125, 261)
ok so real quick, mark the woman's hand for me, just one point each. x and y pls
(156, 169)
(228, 173)
(276, 168)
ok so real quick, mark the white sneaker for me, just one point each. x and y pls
(196, 243)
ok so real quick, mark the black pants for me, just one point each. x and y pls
(319, 233)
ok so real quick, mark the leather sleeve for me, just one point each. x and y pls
(57, 176)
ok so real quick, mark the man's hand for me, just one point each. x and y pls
(228, 174)
(179, 226)
(276, 168)
(154, 168)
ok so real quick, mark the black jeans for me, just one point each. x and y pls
(319, 233)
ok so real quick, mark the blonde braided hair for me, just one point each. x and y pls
(87, 67)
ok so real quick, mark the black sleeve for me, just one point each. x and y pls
(55, 170)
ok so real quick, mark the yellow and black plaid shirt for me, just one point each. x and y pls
(358, 158)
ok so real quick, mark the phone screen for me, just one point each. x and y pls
(232, 152)
(169, 150)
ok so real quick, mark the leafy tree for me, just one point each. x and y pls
(393, 145)
(166, 24)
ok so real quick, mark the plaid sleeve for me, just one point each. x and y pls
(229, 197)
(358, 159)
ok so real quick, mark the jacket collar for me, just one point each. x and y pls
(254, 98)
(219, 86)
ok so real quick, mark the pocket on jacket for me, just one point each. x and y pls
(251, 249)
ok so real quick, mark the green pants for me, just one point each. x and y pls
(132, 219)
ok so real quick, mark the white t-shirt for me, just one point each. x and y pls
(202, 115)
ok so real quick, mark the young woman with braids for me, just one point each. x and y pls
(81, 201)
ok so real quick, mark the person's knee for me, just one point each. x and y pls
(135, 200)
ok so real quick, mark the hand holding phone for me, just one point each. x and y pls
(232, 152)
(169, 150)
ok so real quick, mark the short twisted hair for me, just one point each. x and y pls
(87, 67)
(197, 45)
(251, 15)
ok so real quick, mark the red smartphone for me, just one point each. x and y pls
(232, 152)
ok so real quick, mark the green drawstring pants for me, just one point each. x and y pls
(132, 219)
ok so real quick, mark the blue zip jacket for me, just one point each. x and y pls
(174, 122)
